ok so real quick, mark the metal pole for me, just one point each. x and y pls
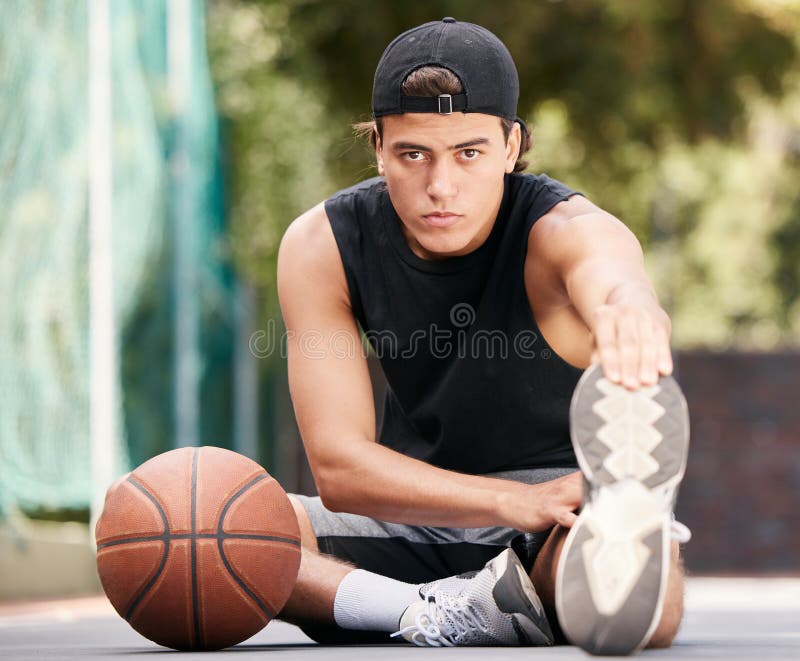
(103, 394)
(184, 244)
(245, 371)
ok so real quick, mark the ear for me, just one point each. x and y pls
(379, 153)
(512, 147)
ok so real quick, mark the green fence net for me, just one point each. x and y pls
(159, 156)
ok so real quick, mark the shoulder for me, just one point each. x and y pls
(322, 243)
(308, 257)
(311, 237)
(540, 191)
(576, 224)
(369, 189)
(308, 236)
(537, 197)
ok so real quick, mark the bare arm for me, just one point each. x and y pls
(332, 397)
(598, 266)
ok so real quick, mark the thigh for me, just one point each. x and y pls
(420, 554)
(413, 554)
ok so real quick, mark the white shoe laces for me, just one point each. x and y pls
(427, 630)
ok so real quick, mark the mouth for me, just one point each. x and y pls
(441, 218)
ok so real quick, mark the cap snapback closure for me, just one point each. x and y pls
(444, 104)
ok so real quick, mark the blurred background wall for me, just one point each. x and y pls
(227, 119)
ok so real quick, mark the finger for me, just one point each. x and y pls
(628, 342)
(648, 353)
(663, 350)
(605, 339)
(566, 518)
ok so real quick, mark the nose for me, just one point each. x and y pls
(441, 182)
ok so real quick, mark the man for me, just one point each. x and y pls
(484, 293)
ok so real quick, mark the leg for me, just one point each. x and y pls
(335, 603)
(317, 581)
(543, 576)
(321, 580)
(672, 614)
(307, 537)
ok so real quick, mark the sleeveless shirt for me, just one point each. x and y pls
(472, 384)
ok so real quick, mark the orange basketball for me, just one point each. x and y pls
(198, 548)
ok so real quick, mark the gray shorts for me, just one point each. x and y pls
(419, 554)
(416, 554)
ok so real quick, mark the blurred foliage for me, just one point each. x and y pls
(81, 515)
(277, 133)
(681, 117)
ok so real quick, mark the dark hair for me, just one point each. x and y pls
(433, 81)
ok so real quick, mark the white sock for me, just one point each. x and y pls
(370, 602)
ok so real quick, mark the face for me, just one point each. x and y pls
(445, 177)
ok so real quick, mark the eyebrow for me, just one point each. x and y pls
(398, 146)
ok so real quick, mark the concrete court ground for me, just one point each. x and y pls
(726, 618)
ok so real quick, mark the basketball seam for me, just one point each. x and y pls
(235, 492)
(200, 535)
(137, 600)
(195, 599)
(239, 580)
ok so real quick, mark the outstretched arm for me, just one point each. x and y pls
(598, 265)
(332, 397)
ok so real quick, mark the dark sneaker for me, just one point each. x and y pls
(612, 575)
(497, 605)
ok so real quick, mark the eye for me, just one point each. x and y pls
(470, 154)
(413, 155)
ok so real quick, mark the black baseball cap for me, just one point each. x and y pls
(477, 57)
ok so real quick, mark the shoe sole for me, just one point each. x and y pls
(632, 448)
(515, 595)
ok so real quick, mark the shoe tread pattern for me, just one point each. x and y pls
(651, 437)
(672, 427)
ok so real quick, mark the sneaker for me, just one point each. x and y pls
(497, 605)
(612, 574)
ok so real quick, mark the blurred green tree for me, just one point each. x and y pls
(681, 117)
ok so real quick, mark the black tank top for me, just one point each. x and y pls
(472, 384)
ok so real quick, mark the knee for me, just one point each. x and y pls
(308, 538)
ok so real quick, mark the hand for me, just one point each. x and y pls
(537, 507)
(632, 343)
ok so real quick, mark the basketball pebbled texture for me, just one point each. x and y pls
(198, 548)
